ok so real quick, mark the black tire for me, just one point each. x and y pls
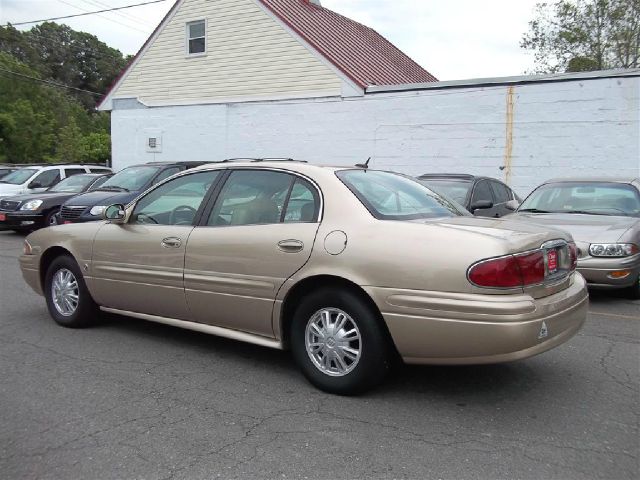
(633, 291)
(373, 363)
(50, 219)
(86, 311)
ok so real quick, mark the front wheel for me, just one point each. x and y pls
(68, 298)
(339, 342)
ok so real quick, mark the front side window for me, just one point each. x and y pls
(501, 192)
(252, 197)
(46, 179)
(130, 179)
(482, 193)
(19, 176)
(166, 174)
(196, 37)
(176, 202)
(389, 196)
(584, 197)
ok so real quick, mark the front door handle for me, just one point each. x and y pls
(171, 242)
(291, 246)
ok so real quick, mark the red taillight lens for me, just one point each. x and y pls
(509, 272)
(531, 267)
(499, 273)
(573, 255)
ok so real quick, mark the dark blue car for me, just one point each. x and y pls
(122, 188)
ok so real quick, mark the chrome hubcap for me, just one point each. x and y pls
(64, 292)
(333, 342)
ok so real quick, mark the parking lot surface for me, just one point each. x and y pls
(130, 399)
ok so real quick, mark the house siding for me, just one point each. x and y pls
(249, 54)
(571, 128)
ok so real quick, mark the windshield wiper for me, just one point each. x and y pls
(585, 212)
(533, 210)
(112, 188)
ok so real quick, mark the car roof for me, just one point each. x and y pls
(462, 176)
(594, 179)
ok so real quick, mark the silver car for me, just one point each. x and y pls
(603, 216)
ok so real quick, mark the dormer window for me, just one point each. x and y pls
(196, 37)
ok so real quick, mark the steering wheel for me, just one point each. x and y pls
(173, 216)
(144, 218)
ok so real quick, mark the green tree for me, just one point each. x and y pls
(96, 147)
(69, 143)
(584, 35)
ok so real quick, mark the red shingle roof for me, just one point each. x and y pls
(360, 52)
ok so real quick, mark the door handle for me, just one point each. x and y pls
(171, 242)
(290, 246)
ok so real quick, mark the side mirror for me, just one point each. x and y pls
(35, 184)
(481, 205)
(512, 205)
(115, 213)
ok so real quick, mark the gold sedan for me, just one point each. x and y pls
(347, 267)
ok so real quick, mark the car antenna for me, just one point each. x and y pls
(364, 165)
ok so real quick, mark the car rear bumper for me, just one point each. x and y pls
(455, 329)
(599, 271)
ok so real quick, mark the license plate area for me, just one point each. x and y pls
(557, 260)
(3, 217)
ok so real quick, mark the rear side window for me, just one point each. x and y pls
(482, 192)
(303, 204)
(501, 192)
(252, 197)
(69, 172)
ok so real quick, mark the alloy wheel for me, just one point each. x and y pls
(65, 292)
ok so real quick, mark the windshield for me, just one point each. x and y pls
(74, 184)
(457, 190)
(584, 197)
(130, 179)
(19, 176)
(390, 196)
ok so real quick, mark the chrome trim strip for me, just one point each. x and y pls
(203, 328)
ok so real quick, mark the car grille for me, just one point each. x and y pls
(8, 206)
(71, 213)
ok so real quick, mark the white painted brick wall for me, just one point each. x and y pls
(587, 127)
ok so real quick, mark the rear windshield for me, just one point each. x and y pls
(390, 196)
(592, 198)
(19, 176)
(457, 190)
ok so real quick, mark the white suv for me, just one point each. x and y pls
(38, 178)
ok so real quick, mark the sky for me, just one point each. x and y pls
(452, 39)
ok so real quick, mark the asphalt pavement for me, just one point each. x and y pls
(130, 399)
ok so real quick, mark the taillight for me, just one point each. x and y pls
(509, 272)
(573, 255)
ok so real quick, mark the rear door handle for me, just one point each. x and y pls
(290, 246)
(171, 242)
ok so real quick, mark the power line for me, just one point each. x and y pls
(49, 82)
(87, 13)
(112, 20)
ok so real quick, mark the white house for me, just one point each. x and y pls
(289, 78)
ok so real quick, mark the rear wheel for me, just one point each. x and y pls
(339, 343)
(68, 299)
